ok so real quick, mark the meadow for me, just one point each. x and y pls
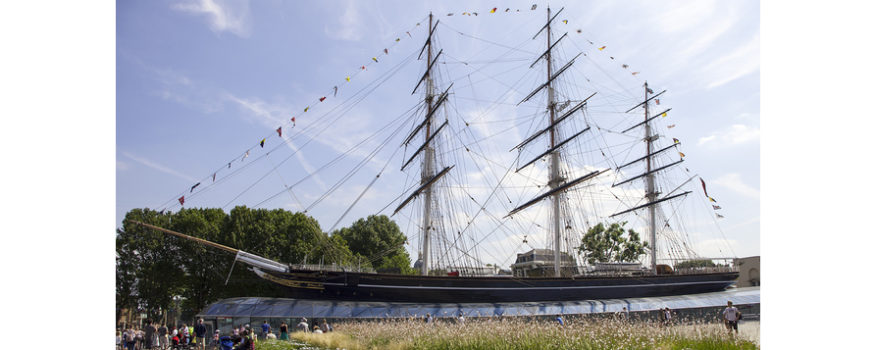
(520, 333)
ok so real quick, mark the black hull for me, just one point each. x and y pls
(332, 285)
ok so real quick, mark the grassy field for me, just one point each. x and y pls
(517, 333)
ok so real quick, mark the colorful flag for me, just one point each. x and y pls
(664, 114)
(229, 165)
(612, 57)
(375, 59)
(335, 90)
(682, 154)
(676, 140)
(397, 39)
(625, 66)
(193, 187)
(474, 13)
(408, 34)
(602, 48)
(279, 131)
(719, 216)
(579, 31)
(703, 188)
(657, 101)
(649, 90)
(363, 68)
(214, 177)
(182, 200)
(565, 21)
(493, 10)
(306, 109)
(671, 126)
(322, 99)
(712, 199)
(449, 14)
(293, 122)
(386, 51)
(715, 206)
(635, 73)
(347, 78)
(507, 9)
(262, 142)
(534, 6)
(245, 155)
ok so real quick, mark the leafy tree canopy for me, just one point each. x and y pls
(610, 244)
(378, 239)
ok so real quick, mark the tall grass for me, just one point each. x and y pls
(518, 333)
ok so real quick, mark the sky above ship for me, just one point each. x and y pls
(199, 84)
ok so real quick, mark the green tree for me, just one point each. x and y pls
(378, 239)
(695, 263)
(609, 244)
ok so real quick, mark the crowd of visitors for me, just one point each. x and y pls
(160, 337)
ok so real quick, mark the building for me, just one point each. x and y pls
(748, 271)
(539, 262)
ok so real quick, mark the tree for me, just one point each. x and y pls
(380, 241)
(609, 244)
(695, 263)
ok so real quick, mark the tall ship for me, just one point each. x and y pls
(568, 184)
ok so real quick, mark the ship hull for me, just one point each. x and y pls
(331, 285)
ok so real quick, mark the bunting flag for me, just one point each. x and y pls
(602, 48)
(245, 155)
(279, 131)
(664, 114)
(625, 66)
(306, 109)
(657, 101)
(465, 14)
(635, 73)
(565, 21)
(493, 10)
(397, 39)
(534, 6)
(474, 13)
(363, 68)
(335, 90)
(375, 59)
(193, 187)
(293, 122)
(229, 165)
(347, 78)
(449, 14)
(682, 154)
(715, 206)
(182, 200)
(386, 51)
(649, 90)
(705, 189)
(408, 34)
(262, 142)
(712, 199)
(214, 177)
(579, 31)
(719, 216)
(671, 126)
(507, 9)
(322, 99)
(676, 140)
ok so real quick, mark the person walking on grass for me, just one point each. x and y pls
(730, 317)
(200, 331)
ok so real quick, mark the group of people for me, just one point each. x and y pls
(159, 336)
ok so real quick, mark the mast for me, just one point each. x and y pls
(650, 193)
(428, 160)
(554, 157)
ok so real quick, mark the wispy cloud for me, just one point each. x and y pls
(223, 15)
(159, 167)
(739, 63)
(733, 182)
(349, 26)
(734, 135)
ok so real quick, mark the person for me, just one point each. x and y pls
(560, 320)
(730, 317)
(162, 336)
(200, 331)
(191, 338)
(184, 334)
(216, 338)
(461, 318)
(284, 331)
(271, 336)
(138, 334)
(149, 333)
(316, 330)
(303, 325)
(625, 314)
(118, 339)
(265, 329)
(245, 342)
(428, 318)
(667, 316)
(129, 338)
(325, 326)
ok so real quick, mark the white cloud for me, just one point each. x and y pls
(739, 63)
(736, 134)
(350, 25)
(159, 167)
(733, 182)
(223, 15)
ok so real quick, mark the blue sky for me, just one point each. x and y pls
(201, 82)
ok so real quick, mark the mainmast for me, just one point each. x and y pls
(650, 192)
(428, 160)
(555, 179)
(557, 183)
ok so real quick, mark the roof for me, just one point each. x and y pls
(296, 308)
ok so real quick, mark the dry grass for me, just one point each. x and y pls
(518, 333)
